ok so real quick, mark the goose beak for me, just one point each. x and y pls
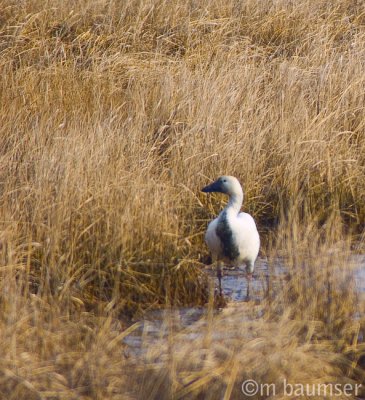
(213, 187)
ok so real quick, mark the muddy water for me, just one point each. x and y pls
(157, 324)
(234, 283)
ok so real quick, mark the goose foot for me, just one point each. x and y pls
(220, 301)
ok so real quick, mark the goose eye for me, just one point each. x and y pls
(224, 180)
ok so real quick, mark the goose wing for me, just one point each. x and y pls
(247, 237)
(212, 240)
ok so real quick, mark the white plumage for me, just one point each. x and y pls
(232, 237)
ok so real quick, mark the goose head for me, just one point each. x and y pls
(225, 184)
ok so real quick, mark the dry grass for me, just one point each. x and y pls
(112, 116)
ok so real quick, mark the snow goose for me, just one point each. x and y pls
(232, 237)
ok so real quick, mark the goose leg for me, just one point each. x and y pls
(249, 269)
(219, 276)
(249, 278)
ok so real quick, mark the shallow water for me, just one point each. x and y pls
(234, 282)
(158, 323)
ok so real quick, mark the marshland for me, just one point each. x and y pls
(113, 116)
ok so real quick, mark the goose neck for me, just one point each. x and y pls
(235, 203)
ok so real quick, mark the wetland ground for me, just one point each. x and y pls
(113, 116)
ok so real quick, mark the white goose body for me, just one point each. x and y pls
(241, 244)
(232, 237)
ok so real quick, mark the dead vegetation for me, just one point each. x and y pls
(112, 117)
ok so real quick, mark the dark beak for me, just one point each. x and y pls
(214, 187)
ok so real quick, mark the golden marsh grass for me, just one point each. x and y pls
(113, 115)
